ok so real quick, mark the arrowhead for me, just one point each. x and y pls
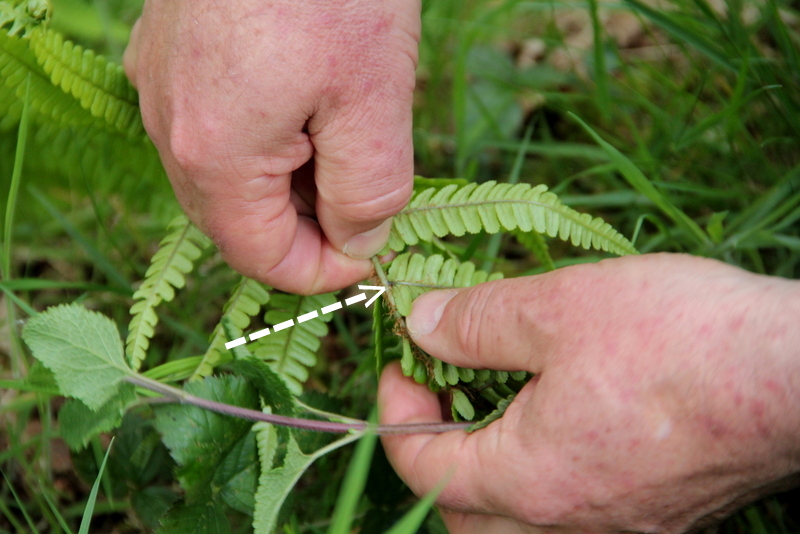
(379, 289)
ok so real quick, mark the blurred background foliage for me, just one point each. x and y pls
(703, 96)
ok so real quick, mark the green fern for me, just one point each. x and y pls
(411, 275)
(492, 206)
(246, 301)
(24, 16)
(99, 85)
(292, 351)
(174, 259)
(48, 103)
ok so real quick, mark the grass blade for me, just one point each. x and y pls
(87, 513)
(682, 33)
(17, 357)
(353, 486)
(20, 504)
(639, 181)
(410, 523)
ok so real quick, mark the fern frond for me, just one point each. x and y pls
(292, 351)
(175, 258)
(246, 301)
(99, 85)
(411, 275)
(492, 206)
(48, 103)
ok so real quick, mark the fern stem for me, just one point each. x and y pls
(381, 274)
(183, 397)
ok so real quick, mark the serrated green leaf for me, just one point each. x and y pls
(78, 423)
(270, 387)
(199, 440)
(205, 518)
(274, 484)
(237, 475)
(151, 503)
(82, 349)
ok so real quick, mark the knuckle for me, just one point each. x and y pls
(188, 152)
(382, 200)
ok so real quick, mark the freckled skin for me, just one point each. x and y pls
(648, 414)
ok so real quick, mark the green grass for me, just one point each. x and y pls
(687, 137)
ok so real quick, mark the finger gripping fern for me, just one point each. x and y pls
(492, 207)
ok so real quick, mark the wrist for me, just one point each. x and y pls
(776, 349)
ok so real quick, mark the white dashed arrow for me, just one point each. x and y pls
(308, 316)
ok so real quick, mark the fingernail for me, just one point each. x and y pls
(365, 245)
(427, 310)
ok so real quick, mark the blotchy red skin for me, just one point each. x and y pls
(667, 394)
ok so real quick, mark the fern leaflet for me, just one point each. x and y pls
(246, 301)
(492, 206)
(411, 275)
(47, 102)
(175, 257)
(292, 351)
(99, 85)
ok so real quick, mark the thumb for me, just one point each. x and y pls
(508, 325)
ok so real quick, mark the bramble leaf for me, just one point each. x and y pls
(83, 349)
(274, 484)
(205, 518)
(200, 440)
(78, 423)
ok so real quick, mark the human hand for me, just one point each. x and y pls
(284, 127)
(665, 396)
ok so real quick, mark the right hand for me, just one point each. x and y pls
(666, 395)
(284, 127)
